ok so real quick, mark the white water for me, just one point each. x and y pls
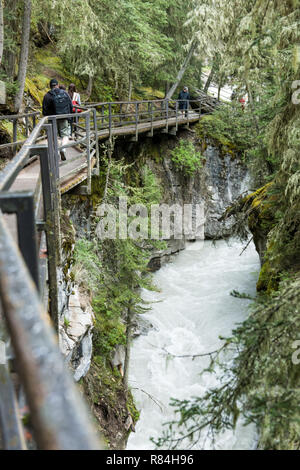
(191, 311)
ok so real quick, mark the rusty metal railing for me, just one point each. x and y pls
(58, 415)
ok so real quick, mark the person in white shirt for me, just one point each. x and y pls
(75, 98)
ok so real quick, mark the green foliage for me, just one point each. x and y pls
(109, 333)
(257, 43)
(244, 132)
(258, 379)
(186, 158)
(116, 270)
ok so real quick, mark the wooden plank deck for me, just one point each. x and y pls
(28, 179)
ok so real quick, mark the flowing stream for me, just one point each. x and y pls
(191, 311)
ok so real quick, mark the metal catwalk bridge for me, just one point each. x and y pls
(30, 188)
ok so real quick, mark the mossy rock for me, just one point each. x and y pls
(104, 389)
(260, 207)
(37, 87)
(210, 129)
(268, 280)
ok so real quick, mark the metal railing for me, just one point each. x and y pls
(27, 121)
(113, 116)
(59, 418)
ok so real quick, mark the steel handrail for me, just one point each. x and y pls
(59, 417)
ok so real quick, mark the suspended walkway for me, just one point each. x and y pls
(30, 188)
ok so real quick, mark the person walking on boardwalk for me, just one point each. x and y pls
(56, 102)
(184, 98)
(76, 101)
(75, 97)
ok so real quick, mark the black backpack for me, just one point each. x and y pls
(62, 102)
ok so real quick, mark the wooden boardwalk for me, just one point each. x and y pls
(148, 126)
(28, 178)
(82, 155)
(74, 171)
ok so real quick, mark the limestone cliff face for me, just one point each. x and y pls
(221, 180)
(75, 312)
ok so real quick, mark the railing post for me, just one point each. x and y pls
(11, 428)
(54, 137)
(167, 115)
(136, 121)
(152, 118)
(22, 204)
(88, 152)
(52, 218)
(110, 120)
(176, 107)
(15, 132)
(96, 140)
(27, 237)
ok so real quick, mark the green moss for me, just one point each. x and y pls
(268, 280)
(37, 87)
(132, 409)
(7, 127)
(44, 65)
(108, 332)
(213, 129)
(104, 388)
(148, 93)
(259, 205)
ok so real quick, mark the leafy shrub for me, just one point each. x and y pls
(185, 158)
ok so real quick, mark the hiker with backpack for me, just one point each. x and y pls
(56, 102)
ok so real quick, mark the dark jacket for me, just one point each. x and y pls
(184, 95)
(48, 104)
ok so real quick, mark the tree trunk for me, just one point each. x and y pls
(1, 31)
(182, 70)
(210, 77)
(199, 81)
(127, 353)
(9, 57)
(130, 89)
(251, 102)
(23, 54)
(220, 87)
(89, 86)
(167, 87)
